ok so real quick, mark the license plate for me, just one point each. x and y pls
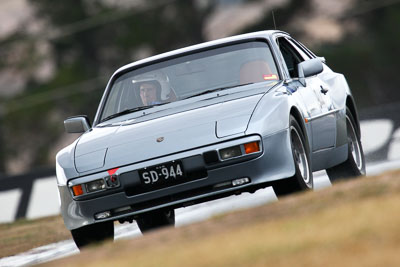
(166, 173)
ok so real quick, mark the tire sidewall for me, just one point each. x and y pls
(352, 161)
(294, 124)
(93, 233)
(156, 219)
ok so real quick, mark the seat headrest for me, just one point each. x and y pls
(254, 71)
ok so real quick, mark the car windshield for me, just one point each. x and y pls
(188, 76)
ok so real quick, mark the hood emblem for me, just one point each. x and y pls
(160, 139)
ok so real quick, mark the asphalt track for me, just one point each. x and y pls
(184, 216)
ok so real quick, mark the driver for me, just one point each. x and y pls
(150, 93)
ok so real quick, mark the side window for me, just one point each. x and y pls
(290, 55)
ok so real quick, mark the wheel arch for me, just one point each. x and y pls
(299, 118)
(351, 105)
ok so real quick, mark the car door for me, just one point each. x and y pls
(314, 96)
(321, 88)
(324, 123)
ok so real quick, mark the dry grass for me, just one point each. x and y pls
(354, 223)
(23, 235)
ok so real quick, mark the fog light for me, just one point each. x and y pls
(230, 152)
(251, 147)
(102, 215)
(95, 185)
(240, 181)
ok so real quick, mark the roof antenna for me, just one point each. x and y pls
(273, 18)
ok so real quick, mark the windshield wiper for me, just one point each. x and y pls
(217, 89)
(130, 110)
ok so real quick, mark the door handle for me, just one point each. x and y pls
(323, 90)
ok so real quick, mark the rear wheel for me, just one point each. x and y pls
(94, 233)
(354, 166)
(303, 177)
(156, 219)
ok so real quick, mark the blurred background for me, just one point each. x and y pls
(56, 56)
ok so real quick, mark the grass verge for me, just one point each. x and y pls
(23, 235)
(354, 223)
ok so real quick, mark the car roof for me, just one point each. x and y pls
(232, 39)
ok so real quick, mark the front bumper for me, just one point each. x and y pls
(274, 163)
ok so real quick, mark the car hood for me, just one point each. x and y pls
(165, 131)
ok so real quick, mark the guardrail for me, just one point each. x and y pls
(30, 195)
(381, 132)
(34, 194)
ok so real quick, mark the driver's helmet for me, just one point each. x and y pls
(155, 83)
(159, 79)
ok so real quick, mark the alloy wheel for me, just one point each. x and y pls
(354, 144)
(300, 156)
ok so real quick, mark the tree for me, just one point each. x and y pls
(88, 40)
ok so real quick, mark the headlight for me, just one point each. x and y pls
(239, 150)
(95, 185)
(89, 187)
(85, 186)
(230, 152)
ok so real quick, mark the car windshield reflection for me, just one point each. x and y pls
(189, 76)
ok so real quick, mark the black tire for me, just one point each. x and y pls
(156, 219)
(94, 233)
(303, 177)
(354, 166)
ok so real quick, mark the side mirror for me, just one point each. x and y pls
(309, 68)
(77, 124)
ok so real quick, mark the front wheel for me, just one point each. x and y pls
(354, 166)
(94, 233)
(303, 177)
(156, 219)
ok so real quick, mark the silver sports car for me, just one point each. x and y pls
(204, 122)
